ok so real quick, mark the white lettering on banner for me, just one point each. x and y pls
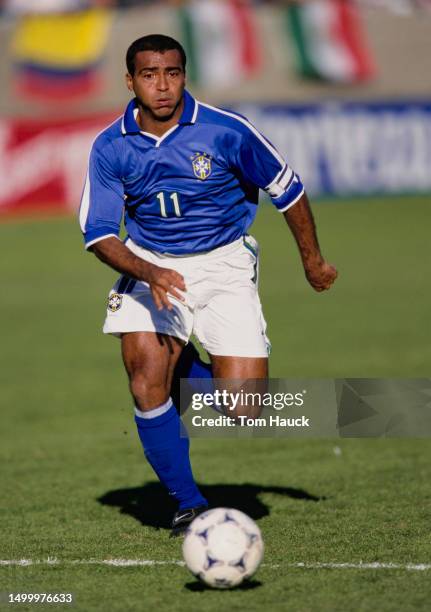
(25, 167)
(53, 154)
(360, 150)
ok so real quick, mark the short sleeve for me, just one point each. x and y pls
(260, 162)
(102, 202)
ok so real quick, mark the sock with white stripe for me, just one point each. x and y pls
(166, 447)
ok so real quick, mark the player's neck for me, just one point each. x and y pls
(148, 123)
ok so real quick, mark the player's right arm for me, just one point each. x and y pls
(100, 217)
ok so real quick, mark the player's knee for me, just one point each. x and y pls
(147, 392)
(245, 400)
(251, 411)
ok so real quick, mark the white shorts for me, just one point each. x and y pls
(222, 306)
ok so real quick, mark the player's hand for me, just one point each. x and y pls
(321, 275)
(164, 281)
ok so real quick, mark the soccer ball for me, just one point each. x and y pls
(223, 547)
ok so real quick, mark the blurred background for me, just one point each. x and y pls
(342, 87)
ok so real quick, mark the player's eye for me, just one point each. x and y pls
(174, 73)
(148, 75)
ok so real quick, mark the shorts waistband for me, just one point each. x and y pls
(217, 252)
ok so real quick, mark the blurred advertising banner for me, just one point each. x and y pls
(337, 148)
(352, 148)
(43, 164)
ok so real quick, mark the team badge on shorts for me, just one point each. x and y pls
(201, 163)
(114, 302)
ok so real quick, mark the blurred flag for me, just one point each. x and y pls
(221, 41)
(329, 41)
(58, 56)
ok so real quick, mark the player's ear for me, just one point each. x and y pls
(129, 82)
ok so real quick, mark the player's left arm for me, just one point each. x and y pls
(320, 274)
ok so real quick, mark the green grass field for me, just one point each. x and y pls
(76, 487)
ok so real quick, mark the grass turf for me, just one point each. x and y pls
(76, 487)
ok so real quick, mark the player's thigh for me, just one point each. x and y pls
(150, 359)
(239, 368)
(231, 324)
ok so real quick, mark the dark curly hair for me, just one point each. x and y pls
(153, 42)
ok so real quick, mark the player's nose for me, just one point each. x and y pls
(162, 82)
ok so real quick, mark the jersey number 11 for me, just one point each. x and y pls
(176, 203)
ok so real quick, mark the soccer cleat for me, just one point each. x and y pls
(183, 518)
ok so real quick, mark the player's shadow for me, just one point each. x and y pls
(247, 585)
(150, 504)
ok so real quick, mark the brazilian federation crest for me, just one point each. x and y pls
(114, 302)
(201, 163)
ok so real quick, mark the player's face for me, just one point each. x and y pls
(158, 82)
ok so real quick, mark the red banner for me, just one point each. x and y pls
(43, 164)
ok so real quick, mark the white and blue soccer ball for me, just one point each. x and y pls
(223, 547)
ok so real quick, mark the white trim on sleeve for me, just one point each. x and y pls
(292, 203)
(279, 185)
(89, 244)
(85, 203)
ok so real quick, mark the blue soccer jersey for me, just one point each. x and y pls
(191, 190)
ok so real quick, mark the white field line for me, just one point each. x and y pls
(152, 562)
(419, 567)
(114, 562)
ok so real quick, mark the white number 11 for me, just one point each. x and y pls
(175, 200)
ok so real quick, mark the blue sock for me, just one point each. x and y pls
(191, 366)
(166, 447)
(197, 367)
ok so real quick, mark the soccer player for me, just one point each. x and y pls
(186, 176)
